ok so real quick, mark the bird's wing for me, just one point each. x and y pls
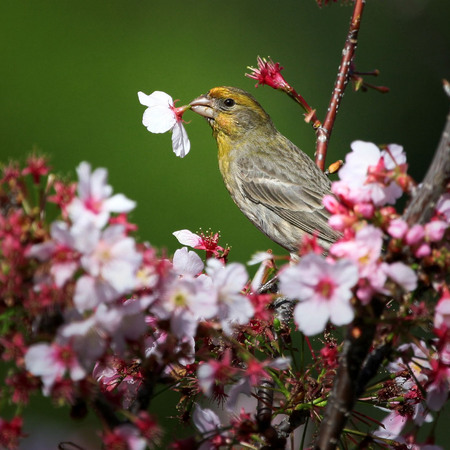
(295, 197)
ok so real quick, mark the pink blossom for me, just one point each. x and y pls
(186, 237)
(439, 386)
(365, 250)
(435, 230)
(397, 228)
(212, 372)
(207, 422)
(94, 202)
(60, 250)
(324, 291)
(356, 185)
(391, 426)
(442, 312)
(111, 261)
(86, 339)
(252, 376)
(187, 262)
(417, 363)
(366, 210)
(162, 116)
(415, 235)
(51, 361)
(91, 292)
(422, 250)
(402, 274)
(393, 156)
(186, 301)
(115, 324)
(234, 308)
(203, 241)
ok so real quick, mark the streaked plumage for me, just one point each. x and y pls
(275, 184)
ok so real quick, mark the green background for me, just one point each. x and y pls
(70, 72)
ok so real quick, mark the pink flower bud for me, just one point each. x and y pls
(434, 231)
(397, 228)
(422, 251)
(366, 210)
(340, 222)
(331, 204)
(415, 235)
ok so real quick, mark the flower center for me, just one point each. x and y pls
(93, 205)
(179, 300)
(325, 287)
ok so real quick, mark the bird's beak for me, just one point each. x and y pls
(203, 105)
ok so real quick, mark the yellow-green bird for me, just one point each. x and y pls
(275, 184)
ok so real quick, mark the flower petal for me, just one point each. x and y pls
(180, 141)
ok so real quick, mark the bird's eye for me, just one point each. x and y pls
(229, 102)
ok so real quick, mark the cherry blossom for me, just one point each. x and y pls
(51, 362)
(94, 202)
(60, 250)
(186, 301)
(365, 174)
(365, 250)
(111, 261)
(324, 291)
(391, 426)
(251, 378)
(215, 372)
(439, 386)
(234, 308)
(203, 241)
(207, 422)
(162, 116)
(187, 262)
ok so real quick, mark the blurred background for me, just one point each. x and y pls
(70, 73)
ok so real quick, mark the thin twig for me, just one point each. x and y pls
(324, 132)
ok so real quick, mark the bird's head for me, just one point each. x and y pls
(231, 111)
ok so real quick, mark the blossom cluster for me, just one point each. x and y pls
(98, 317)
(94, 303)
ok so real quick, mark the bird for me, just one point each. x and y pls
(276, 185)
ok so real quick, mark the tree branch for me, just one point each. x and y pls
(324, 132)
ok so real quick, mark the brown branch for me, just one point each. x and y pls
(324, 132)
(352, 375)
(342, 398)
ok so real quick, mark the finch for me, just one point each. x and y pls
(277, 186)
